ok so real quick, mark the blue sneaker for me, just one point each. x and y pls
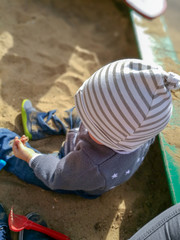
(4, 229)
(31, 234)
(37, 124)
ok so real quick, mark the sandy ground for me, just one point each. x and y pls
(47, 50)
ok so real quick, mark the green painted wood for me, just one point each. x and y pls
(156, 45)
(171, 155)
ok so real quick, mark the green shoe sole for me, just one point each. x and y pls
(24, 120)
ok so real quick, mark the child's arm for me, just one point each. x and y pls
(21, 151)
(75, 171)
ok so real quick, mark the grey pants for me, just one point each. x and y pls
(165, 226)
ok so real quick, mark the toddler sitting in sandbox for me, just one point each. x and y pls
(120, 110)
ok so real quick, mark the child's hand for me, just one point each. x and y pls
(20, 150)
(24, 139)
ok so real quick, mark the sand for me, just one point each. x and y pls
(47, 50)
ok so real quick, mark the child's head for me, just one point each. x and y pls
(126, 103)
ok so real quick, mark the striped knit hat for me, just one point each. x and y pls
(126, 103)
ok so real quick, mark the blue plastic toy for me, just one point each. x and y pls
(2, 163)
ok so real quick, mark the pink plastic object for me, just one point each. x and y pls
(18, 222)
(148, 8)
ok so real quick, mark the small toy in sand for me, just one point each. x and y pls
(18, 223)
(2, 163)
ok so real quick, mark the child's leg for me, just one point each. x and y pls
(164, 226)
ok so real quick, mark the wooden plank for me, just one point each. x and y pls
(155, 45)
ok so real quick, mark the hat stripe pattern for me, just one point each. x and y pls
(86, 119)
(126, 103)
(111, 112)
(122, 99)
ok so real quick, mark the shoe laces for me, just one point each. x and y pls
(50, 114)
(3, 233)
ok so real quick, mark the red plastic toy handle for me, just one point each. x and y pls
(56, 235)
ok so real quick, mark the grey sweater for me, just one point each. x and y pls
(87, 165)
